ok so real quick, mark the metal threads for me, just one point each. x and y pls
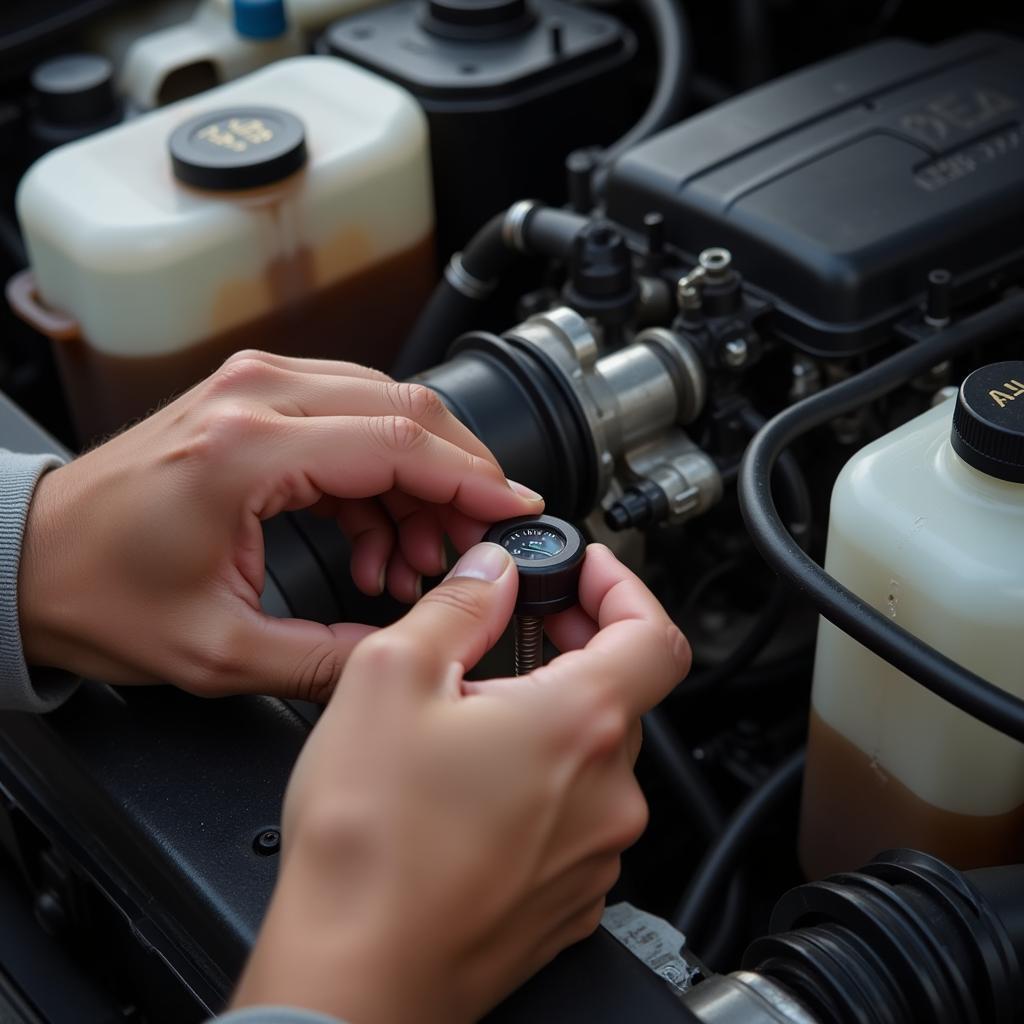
(529, 652)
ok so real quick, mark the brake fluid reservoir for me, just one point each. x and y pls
(289, 211)
(928, 527)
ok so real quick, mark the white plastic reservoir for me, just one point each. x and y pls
(296, 216)
(931, 533)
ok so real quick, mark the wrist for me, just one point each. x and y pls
(42, 586)
(313, 955)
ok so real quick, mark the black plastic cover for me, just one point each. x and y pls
(509, 90)
(839, 187)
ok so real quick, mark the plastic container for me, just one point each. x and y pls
(179, 48)
(314, 239)
(934, 537)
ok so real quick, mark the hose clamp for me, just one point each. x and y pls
(464, 282)
(513, 228)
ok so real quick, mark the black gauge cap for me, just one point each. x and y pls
(549, 580)
(238, 147)
(988, 422)
(75, 89)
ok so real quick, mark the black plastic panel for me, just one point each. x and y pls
(838, 187)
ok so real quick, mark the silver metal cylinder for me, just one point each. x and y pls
(645, 393)
(744, 998)
(529, 640)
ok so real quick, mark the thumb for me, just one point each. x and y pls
(458, 621)
(290, 658)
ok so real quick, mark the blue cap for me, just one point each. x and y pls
(260, 19)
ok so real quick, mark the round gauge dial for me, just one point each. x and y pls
(533, 543)
(548, 554)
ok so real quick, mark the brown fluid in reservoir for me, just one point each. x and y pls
(853, 809)
(363, 318)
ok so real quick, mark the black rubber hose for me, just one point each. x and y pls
(789, 479)
(681, 771)
(705, 812)
(472, 275)
(933, 670)
(733, 844)
(672, 39)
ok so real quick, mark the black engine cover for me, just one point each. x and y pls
(838, 187)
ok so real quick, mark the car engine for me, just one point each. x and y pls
(739, 289)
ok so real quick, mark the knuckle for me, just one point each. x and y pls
(214, 666)
(383, 655)
(588, 921)
(605, 723)
(241, 371)
(631, 815)
(416, 401)
(224, 425)
(246, 354)
(314, 678)
(398, 433)
(464, 597)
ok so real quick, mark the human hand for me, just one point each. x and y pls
(444, 839)
(143, 559)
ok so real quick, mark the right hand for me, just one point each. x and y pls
(444, 839)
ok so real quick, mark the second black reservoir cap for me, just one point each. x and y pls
(238, 147)
(988, 422)
(75, 89)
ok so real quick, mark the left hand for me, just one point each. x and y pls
(143, 560)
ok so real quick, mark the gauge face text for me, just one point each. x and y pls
(533, 543)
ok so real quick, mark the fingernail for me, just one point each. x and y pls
(444, 558)
(419, 587)
(382, 579)
(524, 491)
(483, 562)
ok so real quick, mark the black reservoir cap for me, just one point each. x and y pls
(238, 147)
(988, 422)
(75, 89)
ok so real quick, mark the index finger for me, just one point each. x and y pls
(637, 651)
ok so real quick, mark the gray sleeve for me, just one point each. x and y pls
(274, 1015)
(19, 475)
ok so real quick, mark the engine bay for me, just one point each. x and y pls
(738, 290)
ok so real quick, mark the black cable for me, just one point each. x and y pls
(472, 275)
(721, 859)
(933, 670)
(705, 812)
(789, 479)
(682, 772)
(672, 39)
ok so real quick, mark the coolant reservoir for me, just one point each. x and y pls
(927, 526)
(290, 210)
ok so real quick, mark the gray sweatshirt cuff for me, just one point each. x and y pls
(274, 1015)
(19, 475)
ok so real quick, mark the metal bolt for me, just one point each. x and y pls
(715, 262)
(735, 353)
(529, 647)
(267, 842)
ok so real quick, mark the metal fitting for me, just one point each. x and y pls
(744, 998)
(715, 262)
(628, 397)
(735, 353)
(688, 477)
